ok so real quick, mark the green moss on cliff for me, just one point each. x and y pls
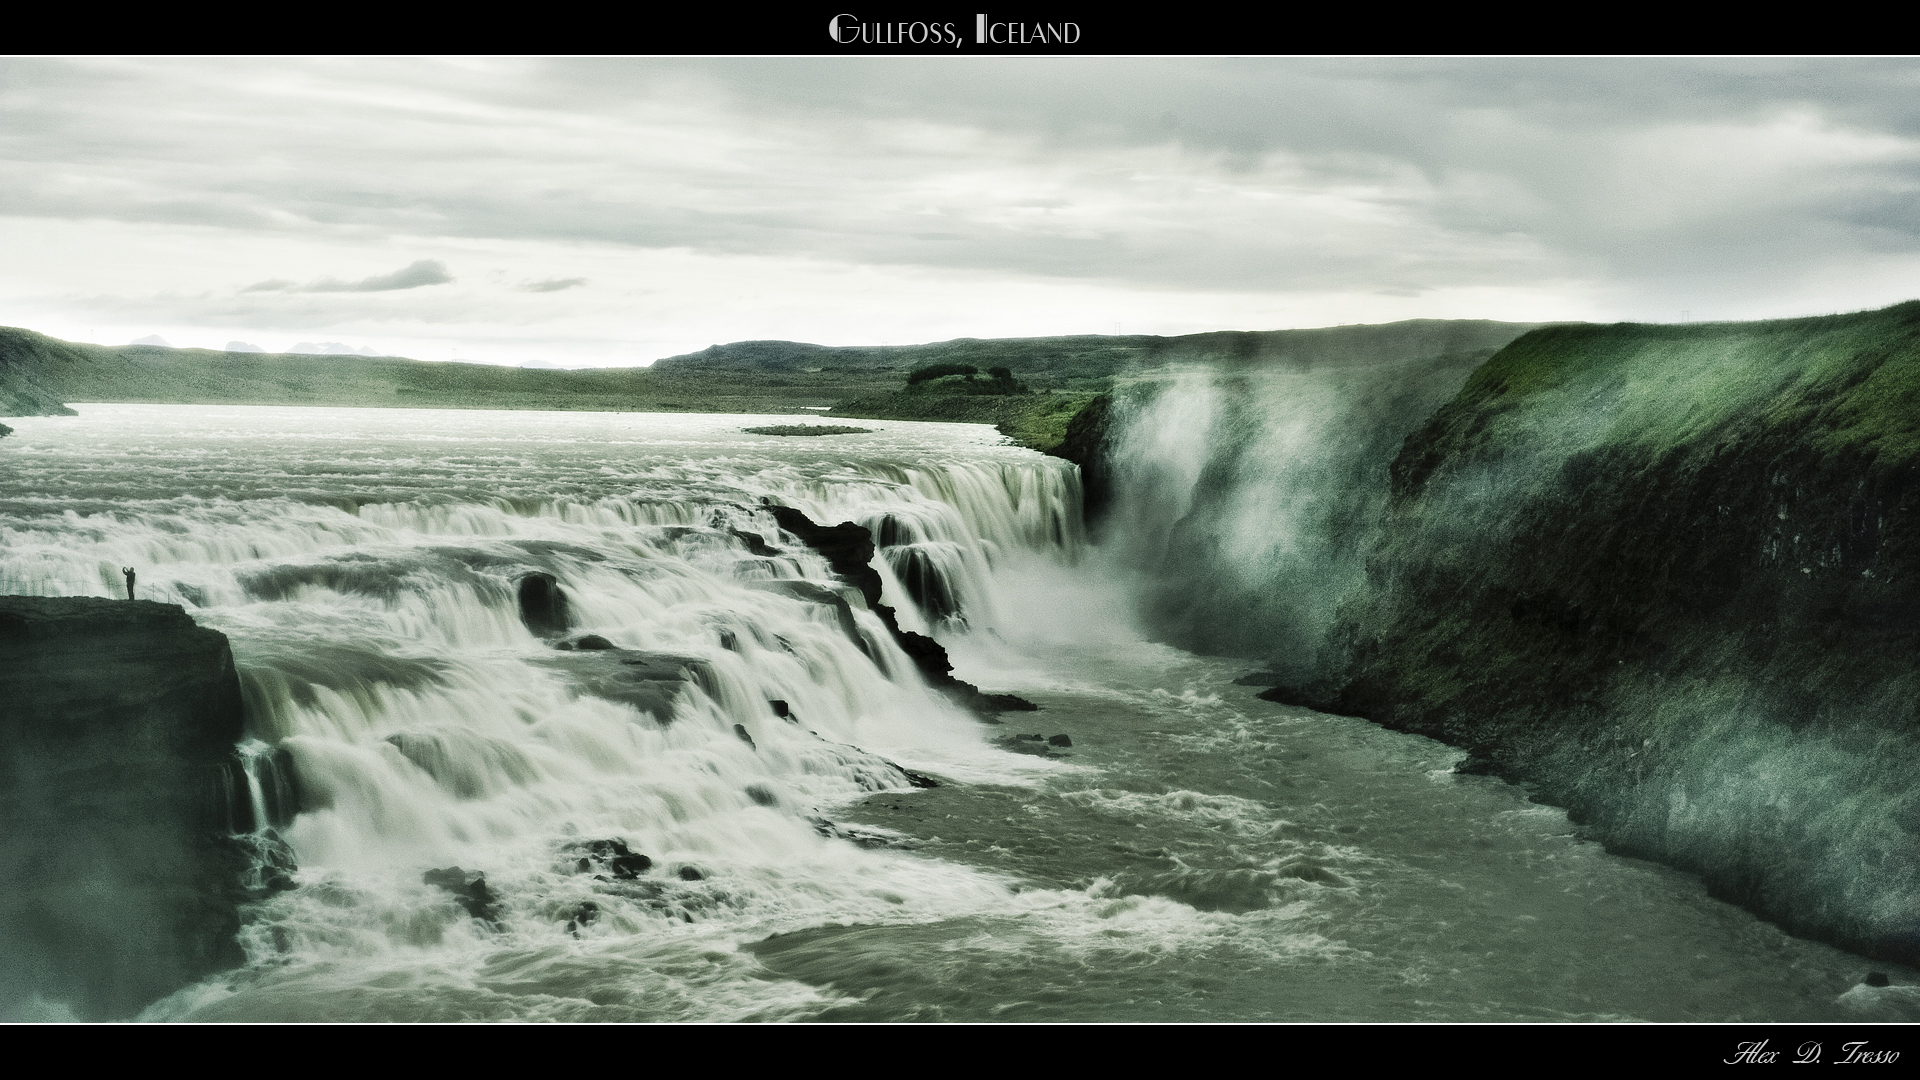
(1851, 383)
(1625, 557)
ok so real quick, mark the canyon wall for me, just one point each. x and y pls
(1670, 577)
(1667, 577)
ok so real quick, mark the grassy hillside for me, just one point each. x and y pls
(1089, 362)
(35, 370)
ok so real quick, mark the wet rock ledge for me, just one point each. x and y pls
(848, 549)
(118, 721)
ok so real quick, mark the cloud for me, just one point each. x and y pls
(423, 272)
(552, 284)
(1607, 187)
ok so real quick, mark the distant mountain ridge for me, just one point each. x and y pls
(1093, 356)
(40, 375)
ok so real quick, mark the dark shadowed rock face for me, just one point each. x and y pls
(1087, 444)
(118, 721)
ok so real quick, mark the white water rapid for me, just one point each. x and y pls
(1194, 854)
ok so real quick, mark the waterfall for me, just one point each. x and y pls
(403, 716)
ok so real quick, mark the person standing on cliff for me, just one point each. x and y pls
(128, 570)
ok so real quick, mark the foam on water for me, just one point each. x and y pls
(364, 565)
(1194, 855)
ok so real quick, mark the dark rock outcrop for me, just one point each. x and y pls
(1035, 745)
(543, 604)
(613, 856)
(848, 549)
(582, 916)
(1088, 445)
(469, 890)
(118, 721)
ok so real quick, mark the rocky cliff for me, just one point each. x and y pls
(1670, 577)
(118, 721)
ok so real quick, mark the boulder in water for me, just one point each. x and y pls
(470, 891)
(1025, 744)
(615, 856)
(543, 604)
(582, 915)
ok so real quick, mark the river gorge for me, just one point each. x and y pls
(712, 785)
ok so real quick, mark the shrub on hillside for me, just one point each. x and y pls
(935, 371)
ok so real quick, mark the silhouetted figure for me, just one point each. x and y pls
(128, 570)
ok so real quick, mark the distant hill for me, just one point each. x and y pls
(1071, 362)
(39, 375)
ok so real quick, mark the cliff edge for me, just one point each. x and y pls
(1669, 577)
(118, 721)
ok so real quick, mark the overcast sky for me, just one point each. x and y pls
(611, 212)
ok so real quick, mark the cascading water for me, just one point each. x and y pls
(713, 816)
(382, 653)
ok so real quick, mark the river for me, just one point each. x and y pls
(1194, 854)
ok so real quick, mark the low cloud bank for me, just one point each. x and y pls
(421, 273)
